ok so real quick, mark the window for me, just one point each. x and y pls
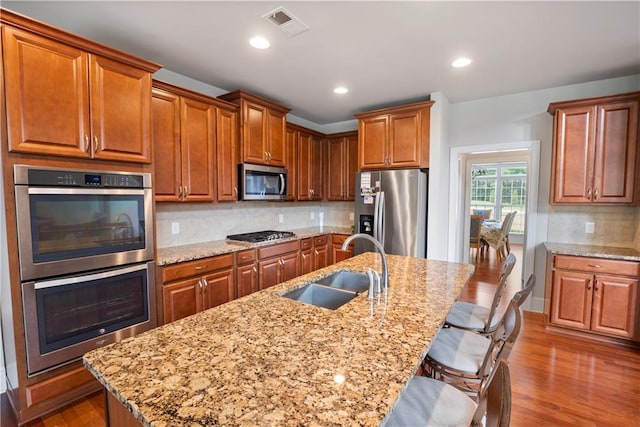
(502, 188)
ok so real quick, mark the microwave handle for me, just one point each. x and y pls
(282, 189)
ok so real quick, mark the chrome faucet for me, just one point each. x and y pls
(385, 271)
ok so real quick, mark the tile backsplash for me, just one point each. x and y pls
(201, 222)
(613, 225)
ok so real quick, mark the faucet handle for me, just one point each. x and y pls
(374, 277)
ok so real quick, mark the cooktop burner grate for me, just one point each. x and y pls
(261, 236)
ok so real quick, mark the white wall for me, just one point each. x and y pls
(523, 117)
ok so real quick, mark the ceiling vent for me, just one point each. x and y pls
(286, 21)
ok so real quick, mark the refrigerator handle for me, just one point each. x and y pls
(381, 219)
(376, 217)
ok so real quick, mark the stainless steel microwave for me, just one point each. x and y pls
(258, 182)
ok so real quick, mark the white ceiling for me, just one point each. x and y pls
(385, 52)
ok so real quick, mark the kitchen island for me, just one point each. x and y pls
(268, 360)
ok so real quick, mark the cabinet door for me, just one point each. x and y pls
(120, 111)
(276, 138)
(181, 299)
(574, 154)
(615, 158)
(198, 156)
(571, 299)
(352, 167)
(373, 136)
(254, 133)
(336, 160)
(247, 280)
(615, 305)
(405, 140)
(321, 256)
(47, 95)
(268, 272)
(289, 267)
(227, 158)
(291, 150)
(316, 168)
(305, 153)
(167, 164)
(218, 288)
(306, 261)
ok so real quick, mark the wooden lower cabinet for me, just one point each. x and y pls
(191, 287)
(337, 254)
(595, 295)
(306, 255)
(246, 273)
(321, 253)
(278, 263)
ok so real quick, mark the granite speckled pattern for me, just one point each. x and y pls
(265, 360)
(628, 254)
(176, 254)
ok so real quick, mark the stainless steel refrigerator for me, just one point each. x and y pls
(391, 206)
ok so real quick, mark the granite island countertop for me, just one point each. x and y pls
(268, 360)
(610, 252)
(194, 251)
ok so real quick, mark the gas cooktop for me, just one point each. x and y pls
(261, 236)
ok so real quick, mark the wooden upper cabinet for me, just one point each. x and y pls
(342, 165)
(291, 156)
(595, 150)
(262, 128)
(72, 98)
(395, 137)
(227, 154)
(191, 132)
(310, 165)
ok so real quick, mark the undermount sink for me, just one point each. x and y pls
(347, 280)
(321, 296)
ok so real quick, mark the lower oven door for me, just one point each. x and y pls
(66, 317)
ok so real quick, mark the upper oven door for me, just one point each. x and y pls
(67, 230)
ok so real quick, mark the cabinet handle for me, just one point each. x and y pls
(179, 191)
(589, 193)
(200, 283)
(595, 194)
(200, 267)
(185, 191)
(86, 143)
(596, 287)
(255, 270)
(589, 285)
(594, 265)
(205, 283)
(235, 192)
(95, 144)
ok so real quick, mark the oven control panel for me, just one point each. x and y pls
(87, 179)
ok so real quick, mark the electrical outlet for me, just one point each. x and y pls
(351, 216)
(312, 215)
(280, 219)
(175, 228)
(589, 227)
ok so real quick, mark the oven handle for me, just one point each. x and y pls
(86, 191)
(89, 277)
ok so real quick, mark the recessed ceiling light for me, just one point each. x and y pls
(341, 90)
(259, 42)
(461, 62)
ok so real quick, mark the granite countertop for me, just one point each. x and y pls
(628, 254)
(176, 254)
(268, 360)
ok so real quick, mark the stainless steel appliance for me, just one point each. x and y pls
(86, 260)
(391, 206)
(261, 236)
(73, 220)
(258, 182)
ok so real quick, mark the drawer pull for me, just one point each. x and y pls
(201, 267)
(594, 265)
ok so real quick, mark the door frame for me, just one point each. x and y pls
(460, 197)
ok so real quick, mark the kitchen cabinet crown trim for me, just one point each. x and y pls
(237, 95)
(177, 90)
(394, 110)
(45, 30)
(630, 96)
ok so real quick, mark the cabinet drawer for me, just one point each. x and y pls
(321, 240)
(276, 250)
(246, 257)
(53, 387)
(338, 239)
(597, 265)
(306, 244)
(193, 268)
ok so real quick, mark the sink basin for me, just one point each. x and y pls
(321, 296)
(347, 280)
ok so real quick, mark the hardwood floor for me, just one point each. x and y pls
(556, 380)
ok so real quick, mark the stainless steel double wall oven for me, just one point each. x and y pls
(86, 260)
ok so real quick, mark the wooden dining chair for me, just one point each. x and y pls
(475, 235)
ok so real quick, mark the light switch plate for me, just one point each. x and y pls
(280, 219)
(175, 228)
